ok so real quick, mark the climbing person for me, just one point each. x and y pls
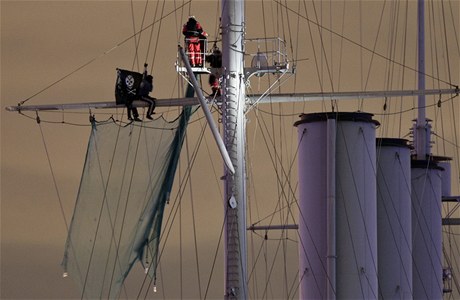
(215, 61)
(215, 58)
(215, 86)
(194, 34)
(145, 88)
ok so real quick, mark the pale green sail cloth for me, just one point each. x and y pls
(126, 182)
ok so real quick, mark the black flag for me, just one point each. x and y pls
(127, 86)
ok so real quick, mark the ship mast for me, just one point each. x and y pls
(234, 127)
(421, 132)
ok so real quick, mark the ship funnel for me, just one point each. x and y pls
(338, 206)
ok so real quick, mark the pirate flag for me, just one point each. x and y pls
(127, 86)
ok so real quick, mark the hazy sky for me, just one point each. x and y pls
(44, 41)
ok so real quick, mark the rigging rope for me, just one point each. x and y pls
(385, 189)
(362, 46)
(278, 155)
(358, 201)
(293, 193)
(164, 237)
(99, 219)
(131, 180)
(215, 255)
(56, 189)
(421, 217)
(102, 54)
(194, 222)
(314, 53)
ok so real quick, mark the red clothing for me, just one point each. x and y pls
(215, 87)
(194, 51)
(193, 33)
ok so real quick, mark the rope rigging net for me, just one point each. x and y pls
(126, 182)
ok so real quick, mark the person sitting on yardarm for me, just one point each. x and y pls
(145, 88)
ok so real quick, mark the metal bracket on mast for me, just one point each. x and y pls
(207, 113)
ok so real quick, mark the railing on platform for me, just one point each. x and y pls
(197, 59)
(267, 55)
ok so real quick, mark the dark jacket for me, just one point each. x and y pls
(193, 28)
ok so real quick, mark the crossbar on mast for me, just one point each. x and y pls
(252, 99)
(301, 97)
(450, 221)
(273, 227)
(102, 105)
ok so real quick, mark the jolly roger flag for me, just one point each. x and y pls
(127, 86)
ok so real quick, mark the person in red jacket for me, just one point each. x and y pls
(193, 33)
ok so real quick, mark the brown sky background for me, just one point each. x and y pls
(44, 41)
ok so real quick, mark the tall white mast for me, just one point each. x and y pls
(426, 195)
(234, 126)
(421, 132)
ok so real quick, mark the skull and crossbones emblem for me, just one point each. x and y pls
(129, 80)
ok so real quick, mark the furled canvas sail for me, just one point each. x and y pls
(126, 182)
